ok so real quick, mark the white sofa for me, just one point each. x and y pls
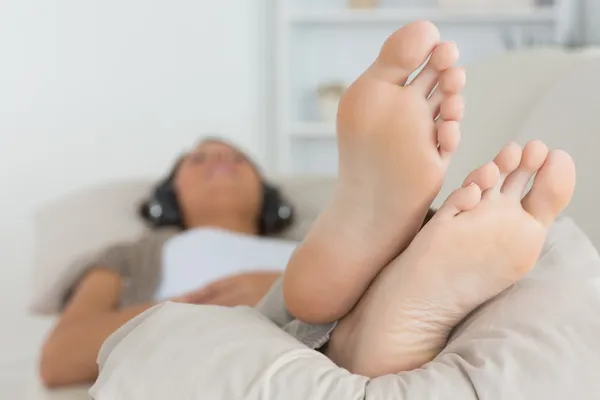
(546, 94)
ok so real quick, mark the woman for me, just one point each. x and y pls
(211, 216)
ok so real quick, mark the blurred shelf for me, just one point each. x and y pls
(541, 15)
(298, 30)
(313, 130)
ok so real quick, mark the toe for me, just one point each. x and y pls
(404, 52)
(443, 57)
(463, 199)
(452, 81)
(448, 138)
(486, 177)
(534, 155)
(507, 160)
(452, 108)
(552, 188)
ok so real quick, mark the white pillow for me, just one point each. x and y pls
(79, 225)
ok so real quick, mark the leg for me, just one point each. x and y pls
(393, 154)
(475, 247)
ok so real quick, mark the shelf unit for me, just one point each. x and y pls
(313, 130)
(532, 15)
(294, 132)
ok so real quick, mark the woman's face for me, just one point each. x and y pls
(215, 178)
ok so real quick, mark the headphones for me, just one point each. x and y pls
(162, 208)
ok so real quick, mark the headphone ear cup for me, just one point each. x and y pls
(163, 208)
(171, 215)
(276, 214)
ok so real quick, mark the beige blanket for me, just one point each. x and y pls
(538, 340)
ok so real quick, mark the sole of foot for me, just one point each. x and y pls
(485, 237)
(395, 141)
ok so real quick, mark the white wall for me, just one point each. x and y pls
(92, 91)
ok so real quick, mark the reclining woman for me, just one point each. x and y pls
(211, 217)
(380, 296)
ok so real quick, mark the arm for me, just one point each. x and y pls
(245, 289)
(70, 352)
(91, 316)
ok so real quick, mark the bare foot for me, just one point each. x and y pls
(393, 156)
(475, 247)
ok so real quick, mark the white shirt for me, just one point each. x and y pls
(200, 256)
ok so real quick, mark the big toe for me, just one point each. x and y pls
(552, 188)
(405, 51)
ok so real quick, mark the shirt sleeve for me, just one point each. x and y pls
(138, 263)
(273, 307)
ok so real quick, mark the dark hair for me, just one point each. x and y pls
(162, 208)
